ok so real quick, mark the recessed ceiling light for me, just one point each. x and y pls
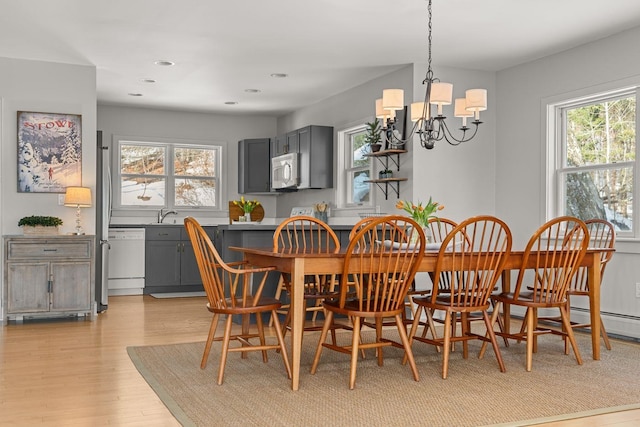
(252, 90)
(164, 63)
(148, 81)
(231, 103)
(279, 75)
(134, 94)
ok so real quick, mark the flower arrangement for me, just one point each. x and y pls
(247, 206)
(420, 213)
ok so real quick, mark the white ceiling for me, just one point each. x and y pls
(222, 47)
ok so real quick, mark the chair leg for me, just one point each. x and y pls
(572, 338)
(225, 348)
(494, 341)
(246, 321)
(378, 321)
(402, 331)
(323, 336)
(212, 334)
(260, 326)
(412, 333)
(355, 340)
(492, 321)
(283, 349)
(464, 326)
(446, 348)
(530, 335)
(605, 337)
(278, 294)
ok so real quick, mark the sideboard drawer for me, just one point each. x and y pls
(22, 250)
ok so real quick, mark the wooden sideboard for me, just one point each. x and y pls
(49, 276)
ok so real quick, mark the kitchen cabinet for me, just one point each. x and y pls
(315, 145)
(279, 145)
(49, 276)
(385, 183)
(254, 166)
(170, 264)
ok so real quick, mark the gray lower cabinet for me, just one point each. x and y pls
(49, 276)
(170, 264)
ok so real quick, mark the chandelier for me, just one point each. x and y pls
(431, 127)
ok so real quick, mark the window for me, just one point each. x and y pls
(353, 191)
(596, 159)
(156, 175)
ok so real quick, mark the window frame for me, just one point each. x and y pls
(556, 142)
(345, 169)
(169, 174)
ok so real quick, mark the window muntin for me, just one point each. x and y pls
(153, 175)
(354, 190)
(596, 177)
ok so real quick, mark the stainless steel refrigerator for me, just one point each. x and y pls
(103, 217)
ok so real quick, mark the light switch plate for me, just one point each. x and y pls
(308, 211)
(60, 199)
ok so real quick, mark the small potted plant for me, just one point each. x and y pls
(374, 136)
(40, 224)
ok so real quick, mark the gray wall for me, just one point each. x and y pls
(521, 151)
(52, 88)
(224, 130)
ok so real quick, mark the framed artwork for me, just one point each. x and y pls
(49, 152)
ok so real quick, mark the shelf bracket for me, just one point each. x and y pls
(385, 190)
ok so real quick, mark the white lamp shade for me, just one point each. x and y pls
(393, 99)
(417, 110)
(441, 93)
(460, 109)
(383, 114)
(476, 99)
(78, 197)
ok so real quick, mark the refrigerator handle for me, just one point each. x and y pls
(105, 242)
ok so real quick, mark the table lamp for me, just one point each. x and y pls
(78, 197)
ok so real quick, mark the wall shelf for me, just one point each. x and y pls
(383, 157)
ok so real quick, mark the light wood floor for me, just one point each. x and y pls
(78, 373)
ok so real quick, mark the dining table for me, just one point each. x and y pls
(298, 263)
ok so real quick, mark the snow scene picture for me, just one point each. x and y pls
(49, 152)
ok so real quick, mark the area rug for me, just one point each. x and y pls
(475, 393)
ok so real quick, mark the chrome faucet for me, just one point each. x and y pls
(162, 215)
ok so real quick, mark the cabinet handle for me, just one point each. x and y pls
(163, 234)
(49, 286)
(50, 250)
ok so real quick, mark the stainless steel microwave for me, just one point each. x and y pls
(284, 172)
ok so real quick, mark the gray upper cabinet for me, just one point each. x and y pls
(315, 145)
(254, 166)
(279, 146)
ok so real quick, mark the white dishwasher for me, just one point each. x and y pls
(126, 261)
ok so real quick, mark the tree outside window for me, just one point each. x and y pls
(148, 179)
(596, 178)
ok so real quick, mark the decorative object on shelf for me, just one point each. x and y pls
(321, 211)
(78, 197)
(49, 152)
(386, 173)
(429, 126)
(42, 225)
(373, 136)
(421, 214)
(236, 211)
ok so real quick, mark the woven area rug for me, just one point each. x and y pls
(474, 394)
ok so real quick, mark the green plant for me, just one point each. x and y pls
(247, 206)
(374, 130)
(420, 213)
(45, 221)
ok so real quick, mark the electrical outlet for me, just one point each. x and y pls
(60, 199)
(637, 290)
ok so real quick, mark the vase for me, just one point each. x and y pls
(247, 216)
(40, 230)
(427, 235)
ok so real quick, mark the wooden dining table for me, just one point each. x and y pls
(301, 263)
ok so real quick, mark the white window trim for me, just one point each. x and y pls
(342, 192)
(169, 144)
(552, 150)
